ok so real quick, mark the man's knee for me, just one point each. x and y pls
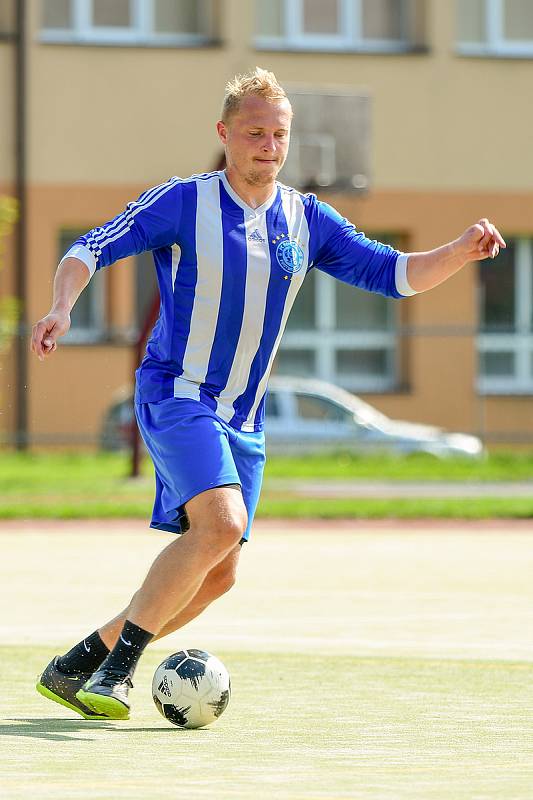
(219, 516)
(229, 528)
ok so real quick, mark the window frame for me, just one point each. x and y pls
(495, 43)
(349, 38)
(326, 340)
(140, 33)
(518, 342)
(97, 332)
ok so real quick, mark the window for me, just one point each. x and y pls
(8, 23)
(133, 22)
(295, 361)
(146, 288)
(495, 27)
(505, 339)
(365, 25)
(342, 334)
(271, 405)
(88, 318)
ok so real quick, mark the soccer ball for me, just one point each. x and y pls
(191, 688)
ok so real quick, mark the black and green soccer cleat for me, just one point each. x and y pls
(62, 688)
(106, 692)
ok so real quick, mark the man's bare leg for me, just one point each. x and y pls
(61, 682)
(218, 519)
(217, 581)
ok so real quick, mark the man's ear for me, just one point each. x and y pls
(222, 132)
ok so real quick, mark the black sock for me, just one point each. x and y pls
(128, 649)
(86, 656)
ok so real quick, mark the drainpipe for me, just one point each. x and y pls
(21, 344)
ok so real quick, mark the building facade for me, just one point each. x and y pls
(121, 96)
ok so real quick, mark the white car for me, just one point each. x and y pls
(305, 415)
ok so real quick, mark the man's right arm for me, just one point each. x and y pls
(150, 222)
(71, 278)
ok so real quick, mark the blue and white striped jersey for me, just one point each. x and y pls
(228, 275)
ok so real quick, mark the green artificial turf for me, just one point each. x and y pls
(375, 665)
(298, 727)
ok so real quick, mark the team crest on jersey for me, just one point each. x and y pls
(289, 254)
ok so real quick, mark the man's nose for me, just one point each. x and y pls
(269, 143)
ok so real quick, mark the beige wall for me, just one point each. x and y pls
(70, 393)
(142, 114)
(451, 142)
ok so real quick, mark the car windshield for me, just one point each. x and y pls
(364, 413)
(321, 408)
(330, 402)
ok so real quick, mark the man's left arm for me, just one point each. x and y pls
(426, 270)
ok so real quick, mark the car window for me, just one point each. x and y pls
(319, 408)
(271, 405)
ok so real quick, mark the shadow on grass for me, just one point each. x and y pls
(166, 729)
(62, 730)
(49, 728)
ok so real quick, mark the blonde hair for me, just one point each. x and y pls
(260, 82)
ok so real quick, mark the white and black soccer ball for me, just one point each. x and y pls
(191, 688)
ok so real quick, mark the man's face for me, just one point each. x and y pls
(256, 138)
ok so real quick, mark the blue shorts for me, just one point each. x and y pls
(194, 450)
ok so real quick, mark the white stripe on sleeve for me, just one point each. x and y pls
(402, 284)
(82, 253)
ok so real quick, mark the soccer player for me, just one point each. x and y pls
(231, 250)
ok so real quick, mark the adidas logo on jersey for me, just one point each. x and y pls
(164, 688)
(255, 236)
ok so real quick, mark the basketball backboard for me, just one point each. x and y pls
(330, 140)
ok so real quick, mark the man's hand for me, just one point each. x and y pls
(47, 331)
(479, 241)
(71, 277)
